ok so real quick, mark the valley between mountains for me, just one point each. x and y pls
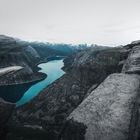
(98, 97)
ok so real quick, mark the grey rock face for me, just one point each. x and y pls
(107, 111)
(136, 42)
(32, 52)
(5, 40)
(6, 110)
(92, 65)
(13, 53)
(132, 65)
(8, 70)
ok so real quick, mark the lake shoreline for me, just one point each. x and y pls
(53, 70)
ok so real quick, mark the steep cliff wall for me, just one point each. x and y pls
(111, 111)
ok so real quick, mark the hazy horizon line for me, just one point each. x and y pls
(68, 43)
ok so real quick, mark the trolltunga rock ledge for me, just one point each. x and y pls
(107, 111)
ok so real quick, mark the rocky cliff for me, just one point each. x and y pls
(18, 70)
(107, 111)
(52, 110)
(15, 54)
(111, 111)
(97, 99)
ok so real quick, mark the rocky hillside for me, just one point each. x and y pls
(48, 51)
(15, 54)
(97, 98)
(18, 68)
(111, 111)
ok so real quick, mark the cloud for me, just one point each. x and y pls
(50, 27)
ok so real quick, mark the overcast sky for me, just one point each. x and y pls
(106, 22)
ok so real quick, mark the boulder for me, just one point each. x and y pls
(107, 111)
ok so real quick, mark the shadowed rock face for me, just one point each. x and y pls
(6, 110)
(132, 64)
(93, 65)
(13, 93)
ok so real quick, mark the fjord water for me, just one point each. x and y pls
(53, 71)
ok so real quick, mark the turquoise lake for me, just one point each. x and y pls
(53, 71)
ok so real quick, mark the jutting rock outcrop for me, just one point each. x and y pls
(107, 111)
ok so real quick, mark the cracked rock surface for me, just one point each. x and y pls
(107, 110)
